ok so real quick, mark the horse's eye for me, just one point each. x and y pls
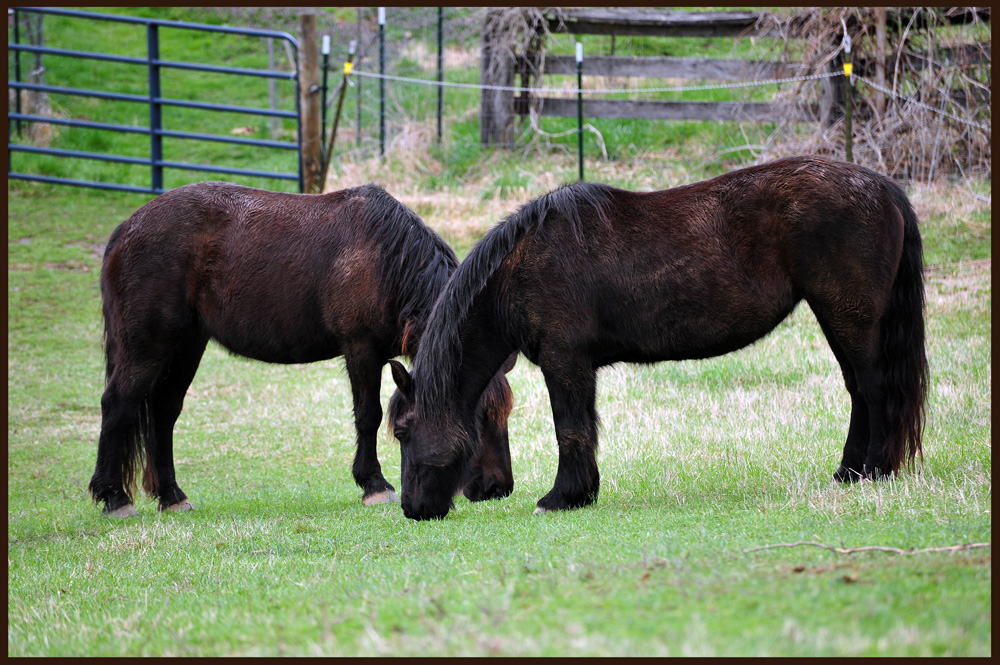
(402, 432)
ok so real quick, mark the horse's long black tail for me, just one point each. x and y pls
(903, 356)
(134, 438)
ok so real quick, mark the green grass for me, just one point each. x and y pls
(701, 461)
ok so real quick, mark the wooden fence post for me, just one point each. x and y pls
(496, 119)
(879, 98)
(309, 95)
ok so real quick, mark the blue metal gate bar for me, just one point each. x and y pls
(264, 143)
(162, 101)
(88, 124)
(79, 154)
(79, 183)
(90, 55)
(104, 157)
(115, 18)
(154, 99)
(223, 169)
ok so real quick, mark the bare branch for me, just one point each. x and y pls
(870, 548)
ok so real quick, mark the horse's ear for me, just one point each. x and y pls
(402, 378)
(509, 363)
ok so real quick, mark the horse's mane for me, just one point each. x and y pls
(440, 354)
(413, 261)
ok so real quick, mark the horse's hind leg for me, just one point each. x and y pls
(851, 466)
(124, 430)
(858, 433)
(572, 386)
(364, 368)
(856, 347)
(166, 402)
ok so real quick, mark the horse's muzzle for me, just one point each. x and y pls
(417, 507)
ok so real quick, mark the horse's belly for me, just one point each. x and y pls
(261, 333)
(284, 351)
(680, 329)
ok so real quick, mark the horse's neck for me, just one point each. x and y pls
(484, 351)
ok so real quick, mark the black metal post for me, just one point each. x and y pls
(381, 82)
(848, 104)
(322, 122)
(357, 135)
(440, 69)
(579, 102)
(155, 119)
(348, 66)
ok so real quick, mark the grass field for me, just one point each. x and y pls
(702, 463)
(706, 466)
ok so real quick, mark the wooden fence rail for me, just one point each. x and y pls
(500, 107)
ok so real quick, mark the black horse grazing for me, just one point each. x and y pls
(590, 275)
(282, 278)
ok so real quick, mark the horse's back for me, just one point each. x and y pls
(273, 276)
(706, 268)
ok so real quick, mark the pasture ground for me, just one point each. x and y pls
(704, 465)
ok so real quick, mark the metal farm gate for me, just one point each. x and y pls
(153, 100)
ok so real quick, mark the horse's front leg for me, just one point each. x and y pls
(364, 368)
(489, 474)
(166, 402)
(572, 385)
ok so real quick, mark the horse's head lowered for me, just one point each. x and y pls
(433, 452)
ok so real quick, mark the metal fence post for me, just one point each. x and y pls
(357, 134)
(322, 121)
(440, 69)
(579, 103)
(848, 102)
(348, 66)
(381, 82)
(155, 111)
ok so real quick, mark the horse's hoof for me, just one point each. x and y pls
(541, 511)
(128, 510)
(179, 507)
(845, 475)
(387, 496)
(874, 473)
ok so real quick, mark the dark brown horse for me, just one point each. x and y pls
(590, 275)
(282, 278)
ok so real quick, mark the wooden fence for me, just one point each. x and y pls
(497, 116)
(500, 107)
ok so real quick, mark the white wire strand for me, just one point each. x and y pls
(597, 91)
(684, 88)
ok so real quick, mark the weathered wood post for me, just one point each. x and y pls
(496, 109)
(310, 98)
(878, 98)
